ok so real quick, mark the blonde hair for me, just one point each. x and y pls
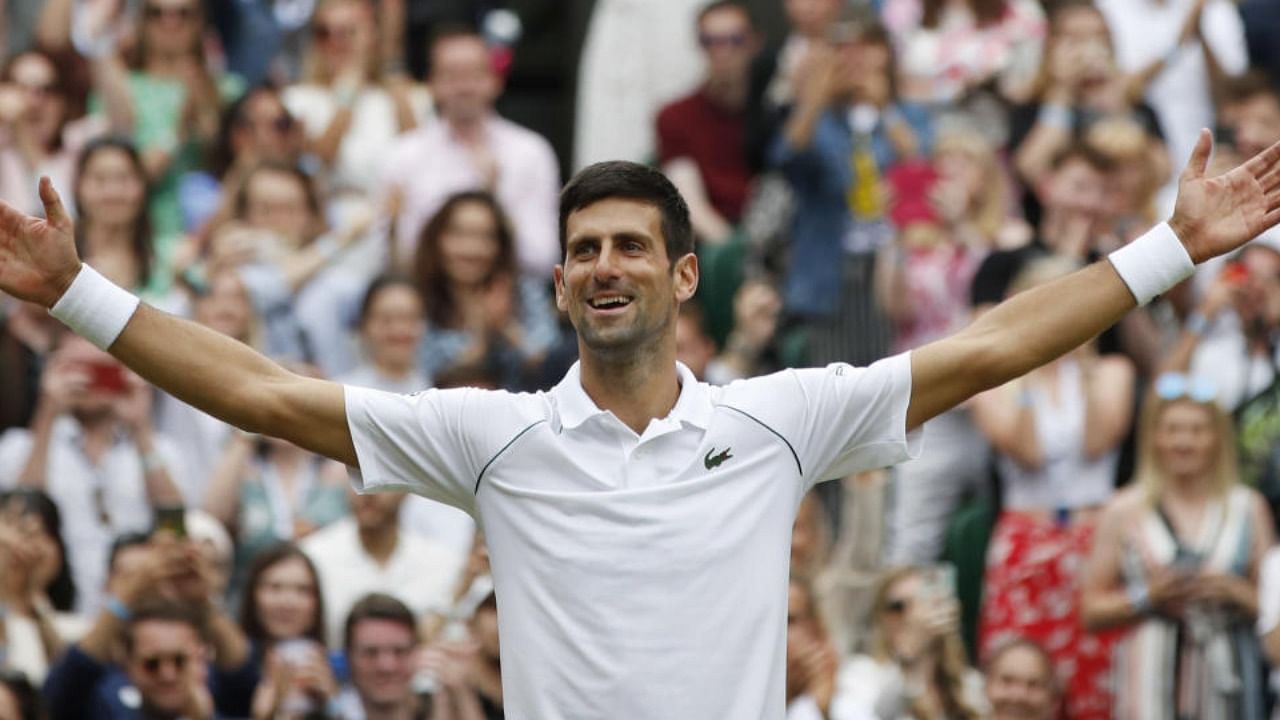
(1124, 141)
(990, 207)
(953, 663)
(1151, 478)
(311, 63)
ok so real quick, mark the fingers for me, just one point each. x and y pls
(1265, 163)
(1199, 161)
(54, 212)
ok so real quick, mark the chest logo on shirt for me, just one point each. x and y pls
(714, 462)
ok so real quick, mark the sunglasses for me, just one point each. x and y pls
(1175, 386)
(155, 12)
(325, 33)
(896, 606)
(733, 40)
(153, 664)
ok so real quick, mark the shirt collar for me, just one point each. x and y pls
(574, 407)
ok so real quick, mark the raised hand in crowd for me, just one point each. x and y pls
(298, 683)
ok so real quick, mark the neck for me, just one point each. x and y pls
(729, 93)
(393, 369)
(1187, 488)
(402, 710)
(107, 236)
(467, 129)
(163, 63)
(99, 432)
(380, 541)
(636, 388)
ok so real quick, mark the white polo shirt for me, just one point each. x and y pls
(640, 577)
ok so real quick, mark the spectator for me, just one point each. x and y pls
(93, 449)
(1056, 432)
(1175, 562)
(289, 262)
(27, 334)
(1020, 682)
(256, 128)
(351, 112)
(1139, 168)
(282, 614)
(949, 214)
(267, 491)
(812, 661)
(368, 552)
(114, 231)
(33, 574)
(163, 616)
(465, 671)
(777, 72)
(380, 639)
(38, 134)
(474, 149)
(18, 699)
(916, 666)
(165, 95)
(750, 349)
(1078, 85)
(1229, 334)
(222, 304)
(835, 170)
(392, 325)
(1251, 112)
(1178, 53)
(701, 136)
(482, 311)
(948, 49)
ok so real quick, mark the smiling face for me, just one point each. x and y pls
(617, 284)
(469, 244)
(285, 597)
(1020, 686)
(394, 325)
(1185, 438)
(112, 189)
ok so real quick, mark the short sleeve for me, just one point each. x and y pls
(855, 419)
(431, 443)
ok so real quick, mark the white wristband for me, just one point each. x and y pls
(1153, 263)
(95, 308)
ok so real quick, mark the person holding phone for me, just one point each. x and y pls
(1176, 562)
(93, 449)
(916, 664)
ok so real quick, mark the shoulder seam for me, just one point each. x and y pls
(758, 421)
(498, 454)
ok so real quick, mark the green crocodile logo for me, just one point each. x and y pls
(714, 462)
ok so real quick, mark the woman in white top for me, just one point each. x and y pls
(915, 665)
(1057, 433)
(1176, 564)
(351, 112)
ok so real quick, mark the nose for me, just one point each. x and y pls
(606, 267)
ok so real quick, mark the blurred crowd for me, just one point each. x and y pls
(330, 184)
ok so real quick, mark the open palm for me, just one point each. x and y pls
(37, 257)
(1215, 215)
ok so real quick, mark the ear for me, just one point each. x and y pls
(562, 302)
(685, 275)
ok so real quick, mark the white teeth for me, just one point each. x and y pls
(611, 301)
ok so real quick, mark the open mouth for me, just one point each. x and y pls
(609, 302)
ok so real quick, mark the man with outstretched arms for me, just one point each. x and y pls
(638, 520)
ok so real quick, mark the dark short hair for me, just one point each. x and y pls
(1242, 88)
(631, 181)
(378, 606)
(62, 589)
(251, 618)
(385, 282)
(718, 5)
(160, 609)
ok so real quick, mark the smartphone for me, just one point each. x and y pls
(172, 518)
(106, 377)
(1235, 272)
(940, 581)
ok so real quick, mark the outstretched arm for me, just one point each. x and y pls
(1212, 217)
(221, 376)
